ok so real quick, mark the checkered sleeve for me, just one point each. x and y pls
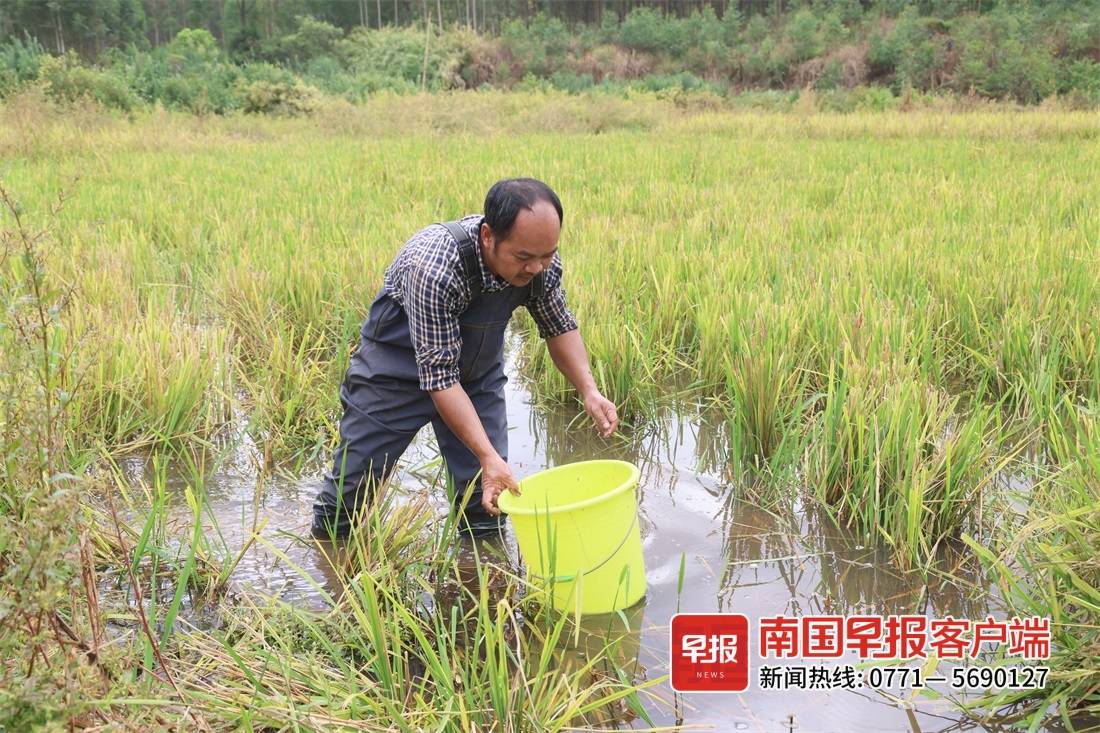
(550, 313)
(433, 297)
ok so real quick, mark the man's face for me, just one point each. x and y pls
(529, 248)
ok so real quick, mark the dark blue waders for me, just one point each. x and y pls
(384, 406)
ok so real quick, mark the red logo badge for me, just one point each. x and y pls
(709, 652)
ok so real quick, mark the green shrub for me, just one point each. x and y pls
(20, 60)
(831, 77)
(763, 64)
(757, 29)
(643, 29)
(768, 100)
(329, 75)
(701, 28)
(67, 80)
(193, 50)
(215, 95)
(882, 54)
(280, 98)
(139, 70)
(312, 39)
(1082, 75)
(732, 23)
(859, 99)
(910, 54)
(873, 99)
(685, 81)
(539, 45)
(189, 73)
(850, 11)
(1083, 38)
(831, 31)
(394, 59)
(570, 81)
(529, 53)
(532, 83)
(1000, 58)
(702, 48)
(802, 32)
(260, 71)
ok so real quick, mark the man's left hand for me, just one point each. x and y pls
(603, 413)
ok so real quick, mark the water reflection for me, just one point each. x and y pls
(826, 571)
(561, 435)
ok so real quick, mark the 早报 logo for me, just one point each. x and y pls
(709, 652)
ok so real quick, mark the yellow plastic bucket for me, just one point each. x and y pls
(577, 527)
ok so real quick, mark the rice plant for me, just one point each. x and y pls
(1047, 567)
(899, 463)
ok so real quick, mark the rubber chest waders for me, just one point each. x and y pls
(384, 406)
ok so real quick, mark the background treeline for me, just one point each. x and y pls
(284, 55)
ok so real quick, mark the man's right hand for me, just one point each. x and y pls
(496, 478)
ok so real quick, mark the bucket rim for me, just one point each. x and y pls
(631, 481)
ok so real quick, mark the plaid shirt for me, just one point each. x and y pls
(427, 279)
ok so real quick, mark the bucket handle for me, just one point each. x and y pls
(597, 566)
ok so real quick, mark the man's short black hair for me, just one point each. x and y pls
(508, 196)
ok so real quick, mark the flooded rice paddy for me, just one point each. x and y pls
(738, 556)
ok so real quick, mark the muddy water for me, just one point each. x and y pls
(738, 557)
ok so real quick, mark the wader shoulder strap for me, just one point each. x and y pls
(467, 249)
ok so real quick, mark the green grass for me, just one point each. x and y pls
(901, 463)
(381, 658)
(1047, 566)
